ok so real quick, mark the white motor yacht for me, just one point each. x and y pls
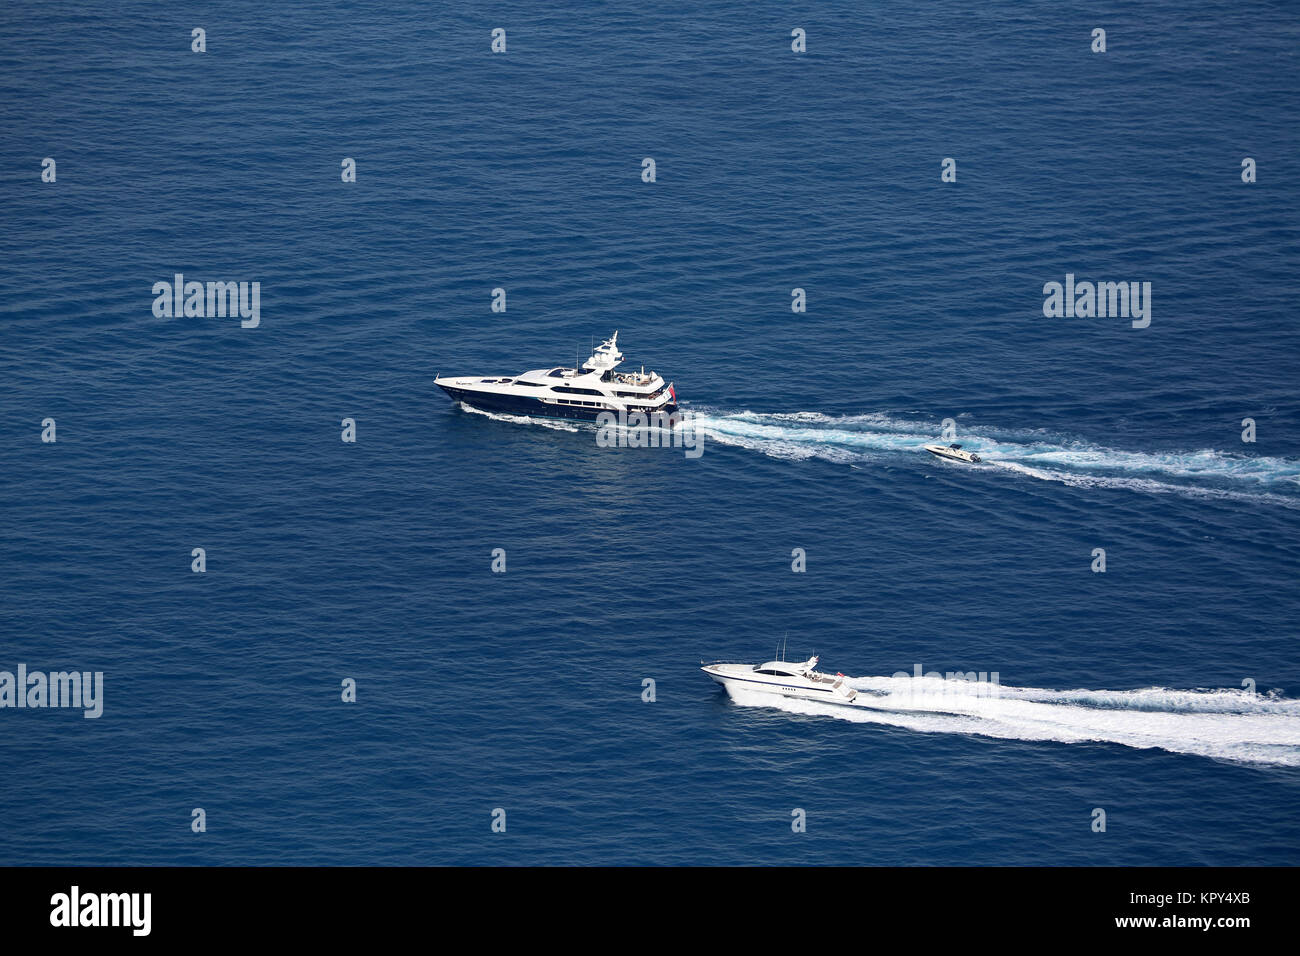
(583, 393)
(783, 678)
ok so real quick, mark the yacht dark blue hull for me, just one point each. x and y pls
(532, 407)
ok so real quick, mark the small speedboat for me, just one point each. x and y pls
(955, 453)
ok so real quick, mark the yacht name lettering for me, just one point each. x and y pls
(215, 300)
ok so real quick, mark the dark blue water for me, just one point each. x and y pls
(522, 690)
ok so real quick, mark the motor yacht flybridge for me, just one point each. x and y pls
(583, 393)
(783, 678)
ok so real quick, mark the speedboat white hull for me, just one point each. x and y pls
(777, 680)
(781, 679)
(954, 453)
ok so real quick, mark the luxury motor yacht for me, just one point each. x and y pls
(954, 453)
(597, 386)
(783, 678)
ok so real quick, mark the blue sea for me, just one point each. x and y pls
(1164, 691)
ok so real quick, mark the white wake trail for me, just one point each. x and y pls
(880, 438)
(521, 419)
(1231, 725)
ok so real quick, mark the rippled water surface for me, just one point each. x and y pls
(1129, 690)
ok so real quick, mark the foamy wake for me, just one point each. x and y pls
(1232, 725)
(522, 419)
(877, 438)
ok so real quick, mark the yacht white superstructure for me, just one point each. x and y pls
(584, 392)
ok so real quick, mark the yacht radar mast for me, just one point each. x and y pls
(604, 356)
